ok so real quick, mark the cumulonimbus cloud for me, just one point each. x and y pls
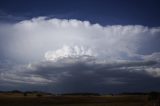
(79, 53)
(31, 39)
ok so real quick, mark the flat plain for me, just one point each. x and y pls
(51, 100)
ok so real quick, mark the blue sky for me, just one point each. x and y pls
(105, 12)
(58, 46)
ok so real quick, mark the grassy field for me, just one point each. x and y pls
(47, 100)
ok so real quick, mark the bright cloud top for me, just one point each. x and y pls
(67, 52)
(33, 38)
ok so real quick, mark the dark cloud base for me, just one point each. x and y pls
(84, 76)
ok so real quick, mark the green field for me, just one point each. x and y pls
(48, 100)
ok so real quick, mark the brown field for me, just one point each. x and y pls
(9, 99)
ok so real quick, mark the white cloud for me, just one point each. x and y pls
(30, 39)
(67, 52)
(92, 53)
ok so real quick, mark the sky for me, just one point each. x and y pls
(67, 46)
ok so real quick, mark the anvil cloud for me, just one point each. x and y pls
(77, 56)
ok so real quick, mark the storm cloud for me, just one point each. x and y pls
(77, 56)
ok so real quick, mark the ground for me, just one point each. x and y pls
(18, 99)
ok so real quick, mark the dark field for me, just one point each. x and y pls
(49, 100)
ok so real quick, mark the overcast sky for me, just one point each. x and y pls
(59, 46)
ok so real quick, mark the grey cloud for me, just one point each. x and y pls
(95, 58)
(83, 76)
(154, 56)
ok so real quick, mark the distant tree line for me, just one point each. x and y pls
(151, 95)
